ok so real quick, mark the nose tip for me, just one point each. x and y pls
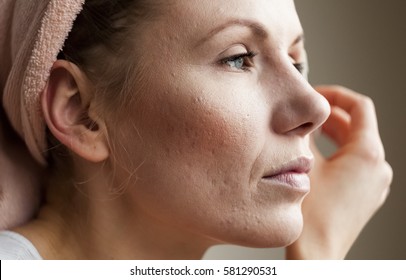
(320, 112)
(301, 112)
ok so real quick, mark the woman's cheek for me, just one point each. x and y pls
(198, 137)
(217, 118)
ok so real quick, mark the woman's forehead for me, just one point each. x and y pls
(277, 17)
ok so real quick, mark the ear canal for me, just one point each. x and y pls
(83, 116)
(87, 121)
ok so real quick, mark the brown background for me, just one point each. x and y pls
(360, 44)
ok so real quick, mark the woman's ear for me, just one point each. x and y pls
(67, 103)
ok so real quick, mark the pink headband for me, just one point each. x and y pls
(31, 35)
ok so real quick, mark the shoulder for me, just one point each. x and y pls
(14, 246)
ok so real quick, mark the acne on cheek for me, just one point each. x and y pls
(202, 131)
(210, 128)
(197, 123)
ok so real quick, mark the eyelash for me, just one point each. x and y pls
(247, 62)
(300, 67)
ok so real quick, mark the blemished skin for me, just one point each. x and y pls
(215, 149)
(210, 131)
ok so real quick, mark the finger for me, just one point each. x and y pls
(359, 107)
(337, 126)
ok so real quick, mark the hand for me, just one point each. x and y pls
(350, 186)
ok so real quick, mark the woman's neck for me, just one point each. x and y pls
(86, 228)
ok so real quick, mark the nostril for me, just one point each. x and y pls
(306, 127)
(302, 129)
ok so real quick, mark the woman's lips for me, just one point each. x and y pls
(293, 174)
(296, 181)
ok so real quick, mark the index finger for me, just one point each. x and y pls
(360, 107)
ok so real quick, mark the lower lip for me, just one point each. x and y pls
(295, 181)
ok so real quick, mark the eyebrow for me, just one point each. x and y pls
(257, 28)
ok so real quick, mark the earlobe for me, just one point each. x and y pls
(67, 107)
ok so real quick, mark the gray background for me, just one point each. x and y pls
(360, 44)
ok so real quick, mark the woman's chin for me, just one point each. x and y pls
(283, 235)
(279, 231)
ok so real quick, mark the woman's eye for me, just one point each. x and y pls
(300, 67)
(239, 61)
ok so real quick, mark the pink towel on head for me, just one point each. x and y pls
(32, 33)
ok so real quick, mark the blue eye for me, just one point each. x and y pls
(239, 61)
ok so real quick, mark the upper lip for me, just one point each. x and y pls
(298, 165)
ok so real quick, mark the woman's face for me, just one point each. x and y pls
(219, 134)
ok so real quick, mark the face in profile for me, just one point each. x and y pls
(220, 128)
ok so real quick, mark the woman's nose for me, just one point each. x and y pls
(300, 109)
